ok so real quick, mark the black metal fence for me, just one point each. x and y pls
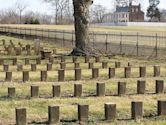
(129, 43)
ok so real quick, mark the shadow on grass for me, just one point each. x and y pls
(47, 123)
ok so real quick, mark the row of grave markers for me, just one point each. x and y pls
(51, 60)
(110, 111)
(78, 73)
(100, 89)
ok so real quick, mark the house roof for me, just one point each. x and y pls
(122, 9)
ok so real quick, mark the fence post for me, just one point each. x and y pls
(63, 37)
(36, 33)
(55, 35)
(72, 37)
(156, 45)
(106, 43)
(48, 35)
(25, 32)
(120, 43)
(30, 32)
(93, 39)
(137, 44)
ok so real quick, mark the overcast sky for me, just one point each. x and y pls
(38, 5)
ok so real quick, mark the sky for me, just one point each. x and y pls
(40, 6)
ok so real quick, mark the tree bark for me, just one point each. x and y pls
(81, 16)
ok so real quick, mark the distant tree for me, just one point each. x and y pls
(20, 6)
(163, 15)
(62, 10)
(32, 21)
(36, 21)
(9, 16)
(153, 11)
(98, 12)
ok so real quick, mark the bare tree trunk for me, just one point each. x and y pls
(81, 15)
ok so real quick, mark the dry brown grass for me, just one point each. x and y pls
(37, 107)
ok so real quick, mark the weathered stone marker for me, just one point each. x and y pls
(161, 108)
(9, 50)
(129, 64)
(26, 61)
(43, 76)
(51, 59)
(63, 59)
(136, 110)
(97, 58)
(83, 112)
(159, 86)
(11, 92)
(33, 67)
(90, 66)
(37, 46)
(110, 111)
(5, 67)
(19, 67)
(127, 72)
(1, 61)
(95, 73)
(63, 65)
(54, 51)
(117, 64)
(15, 61)
(25, 76)
(21, 116)
(78, 74)
(74, 59)
(38, 60)
(34, 91)
(111, 73)
(142, 71)
(18, 51)
(53, 115)
(100, 89)
(8, 76)
(156, 71)
(77, 65)
(61, 75)
(56, 90)
(87, 58)
(28, 47)
(49, 67)
(121, 88)
(3, 42)
(141, 87)
(28, 52)
(77, 90)
(104, 65)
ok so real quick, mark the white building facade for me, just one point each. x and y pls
(120, 15)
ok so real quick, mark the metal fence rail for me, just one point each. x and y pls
(135, 44)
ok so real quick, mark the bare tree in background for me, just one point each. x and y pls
(55, 5)
(163, 15)
(21, 7)
(61, 9)
(9, 16)
(98, 13)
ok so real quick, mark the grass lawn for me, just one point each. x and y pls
(98, 28)
(37, 108)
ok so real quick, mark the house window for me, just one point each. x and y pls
(133, 10)
(136, 9)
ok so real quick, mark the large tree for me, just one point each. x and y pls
(153, 11)
(81, 17)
